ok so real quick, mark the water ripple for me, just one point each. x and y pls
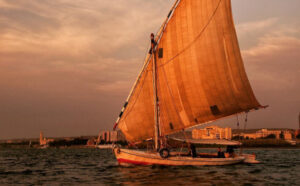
(99, 167)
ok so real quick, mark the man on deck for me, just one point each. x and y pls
(220, 153)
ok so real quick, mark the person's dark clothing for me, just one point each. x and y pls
(230, 150)
(193, 151)
(153, 44)
(221, 154)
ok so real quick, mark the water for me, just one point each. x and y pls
(99, 167)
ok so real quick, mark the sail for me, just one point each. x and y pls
(137, 120)
(200, 73)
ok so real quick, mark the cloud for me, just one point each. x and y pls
(255, 26)
(66, 64)
(274, 71)
(275, 62)
(272, 63)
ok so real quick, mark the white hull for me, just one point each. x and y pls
(109, 146)
(250, 159)
(44, 147)
(134, 157)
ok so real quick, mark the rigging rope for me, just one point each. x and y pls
(246, 121)
(245, 126)
(238, 126)
(237, 122)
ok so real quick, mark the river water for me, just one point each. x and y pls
(99, 167)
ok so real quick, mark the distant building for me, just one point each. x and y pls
(114, 136)
(9, 141)
(264, 133)
(249, 135)
(212, 132)
(44, 141)
(287, 135)
(110, 136)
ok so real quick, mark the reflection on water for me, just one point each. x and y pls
(99, 167)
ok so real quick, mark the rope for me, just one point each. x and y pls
(237, 121)
(245, 126)
(246, 121)
(173, 102)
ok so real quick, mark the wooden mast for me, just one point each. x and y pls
(155, 98)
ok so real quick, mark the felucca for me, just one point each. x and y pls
(192, 75)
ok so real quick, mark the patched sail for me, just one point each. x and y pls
(200, 73)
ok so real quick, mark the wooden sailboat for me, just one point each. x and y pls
(193, 74)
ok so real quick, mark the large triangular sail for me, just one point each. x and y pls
(200, 73)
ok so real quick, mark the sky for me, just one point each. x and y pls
(67, 66)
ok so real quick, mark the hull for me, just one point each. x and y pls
(44, 147)
(104, 146)
(250, 159)
(133, 157)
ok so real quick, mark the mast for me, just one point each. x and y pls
(155, 98)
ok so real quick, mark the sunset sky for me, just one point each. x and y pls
(67, 66)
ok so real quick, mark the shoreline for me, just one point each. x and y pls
(91, 147)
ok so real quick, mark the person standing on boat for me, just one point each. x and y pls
(220, 153)
(153, 43)
(230, 151)
(193, 151)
